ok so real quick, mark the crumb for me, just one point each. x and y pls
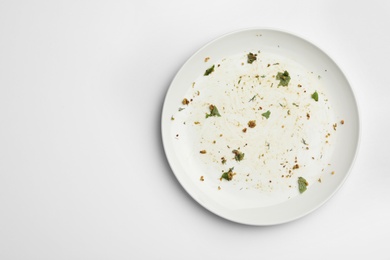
(332, 172)
(296, 166)
(196, 122)
(201, 178)
(334, 126)
(206, 59)
(252, 123)
(244, 130)
(308, 116)
(185, 101)
(319, 180)
(342, 122)
(219, 187)
(203, 151)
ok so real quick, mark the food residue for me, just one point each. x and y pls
(228, 175)
(284, 77)
(251, 123)
(213, 111)
(209, 71)
(265, 120)
(302, 184)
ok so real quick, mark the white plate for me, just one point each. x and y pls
(261, 193)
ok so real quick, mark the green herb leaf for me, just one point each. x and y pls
(213, 111)
(251, 57)
(253, 98)
(208, 71)
(238, 155)
(302, 184)
(284, 78)
(263, 76)
(266, 114)
(228, 175)
(315, 96)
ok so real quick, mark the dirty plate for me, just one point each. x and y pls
(260, 127)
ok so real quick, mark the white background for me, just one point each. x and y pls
(83, 174)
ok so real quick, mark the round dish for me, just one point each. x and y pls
(267, 188)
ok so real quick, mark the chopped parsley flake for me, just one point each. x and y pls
(266, 114)
(239, 156)
(302, 184)
(209, 71)
(213, 111)
(253, 98)
(228, 175)
(284, 78)
(315, 96)
(251, 57)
